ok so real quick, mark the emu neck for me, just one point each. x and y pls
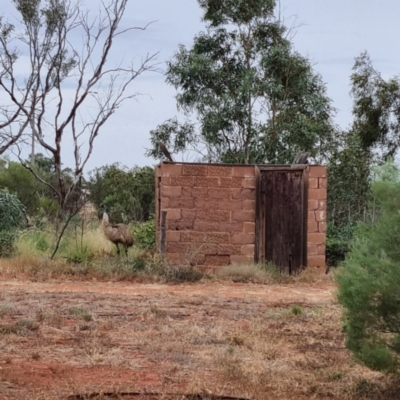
(105, 221)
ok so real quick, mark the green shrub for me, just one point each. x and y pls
(145, 234)
(369, 281)
(11, 217)
(336, 251)
(296, 309)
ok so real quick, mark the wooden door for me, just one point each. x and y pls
(281, 222)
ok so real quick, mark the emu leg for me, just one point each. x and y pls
(126, 251)
(117, 248)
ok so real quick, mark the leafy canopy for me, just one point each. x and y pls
(376, 108)
(129, 193)
(253, 97)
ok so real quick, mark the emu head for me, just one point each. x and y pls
(105, 208)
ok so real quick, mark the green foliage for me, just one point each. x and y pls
(19, 181)
(129, 193)
(254, 97)
(349, 172)
(295, 309)
(11, 211)
(370, 279)
(11, 217)
(145, 234)
(376, 108)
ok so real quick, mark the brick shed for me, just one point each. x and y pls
(218, 214)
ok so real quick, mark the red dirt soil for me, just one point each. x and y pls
(52, 376)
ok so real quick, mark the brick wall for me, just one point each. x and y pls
(211, 213)
(316, 231)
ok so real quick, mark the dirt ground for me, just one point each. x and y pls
(59, 339)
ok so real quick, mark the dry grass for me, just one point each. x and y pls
(179, 341)
(267, 274)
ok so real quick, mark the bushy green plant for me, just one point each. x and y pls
(145, 234)
(370, 279)
(11, 217)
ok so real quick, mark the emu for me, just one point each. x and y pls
(116, 233)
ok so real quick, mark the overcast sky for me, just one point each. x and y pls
(331, 33)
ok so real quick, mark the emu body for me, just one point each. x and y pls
(119, 234)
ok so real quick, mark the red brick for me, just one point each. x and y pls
(173, 236)
(312, 227)
(321, 205)
(182, 181)
(181, 203)
(205, 226)
(199, 192)
(193, 237)
(195, 170)
(242, 238)
(219, 238)
(321, 249)
(227, 205)
(188, 214)
(205, 181)
(171, 191)
(230, 227)
(316, 261)
(249, 183)
(243, 194)
(313, 183)
(187, 191)
(245, 216)
(317, 171)
(248, 250)
(182, 225)
(217, 170)
(180, 247)
(171, 170)
(217, 260)
(214, 215)
(244, 172)
(312, 250)
(164, 203)
(206, 248)
(158, 170)
(317, 194)
(320, 216)
(322, 227)
(316, 238)
(322, 183)
(313, 205)
(242, 259)
(249, 205)
(249, 227)
(229, 249)
(173, 213)
(311, 216)
(231, 182)
(219, 193)
(165, 181)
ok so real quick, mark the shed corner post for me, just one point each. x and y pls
(257, 239)
(163, 231)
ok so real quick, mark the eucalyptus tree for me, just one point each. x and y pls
(247, 94)
(73, 83)
(376, 108)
